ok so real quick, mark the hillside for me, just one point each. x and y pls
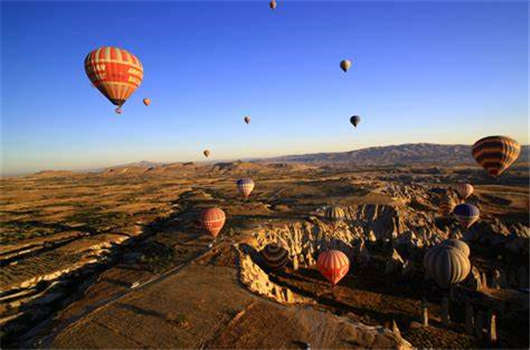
(396, 154)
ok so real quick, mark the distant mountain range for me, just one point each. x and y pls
(406, 154)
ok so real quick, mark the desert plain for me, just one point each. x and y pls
(117, 258)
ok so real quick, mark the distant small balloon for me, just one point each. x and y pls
(272, 4)
(147, 101)
(245, 186)
(355, 120)
(345, 65)
(247, 119)
(206, 153)
(447, 204)
(464, 190)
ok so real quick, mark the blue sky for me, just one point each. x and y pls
(443, 72)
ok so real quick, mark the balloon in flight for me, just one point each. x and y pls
(466, 214)
(447, 204)
(345, 65)
(446, 265)
(496, 153)
(355, 120)
(147, 101)
(213, 220)
(247, 119)
(206, 153)
(458, 244)
(273, 4)
(275, 256)
(464, 190)
(334, 265)
(115, 72)
(245, 186)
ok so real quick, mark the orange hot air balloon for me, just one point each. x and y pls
(273, 4)
(213, 220)
(115, 72)
(333, 264)
(147, 101)
(206, 153)
(247, 119)
(464, 190)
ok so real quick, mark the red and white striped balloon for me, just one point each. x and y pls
(334, 265)
(213, 220)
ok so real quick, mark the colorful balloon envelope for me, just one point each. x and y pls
(115, 72)
(355, 120)
(213, 220)
(446, 265)
(147, 101)
(458, 244)
(274, 256)
(447, 204)
(245, 186)
(206, 153)
(334, 265)
(466, 214)
(464, 190)
(247, 119)
(496, 153)
(345, 65)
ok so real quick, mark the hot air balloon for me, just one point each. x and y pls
(245, 186)
(115, 72)
(274, 256)
(247, 119)
(446, 265)
(334, 265)
(345, 65)
(355, 120)
(466, 214)
(213, 220)
(335, 213)
(447, 204)
(206, 153)
(272, 4)
(147, 101)
(457, 244)
(496, 153)
(464, 190)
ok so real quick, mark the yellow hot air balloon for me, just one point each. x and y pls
(496, 153)
(345, 65)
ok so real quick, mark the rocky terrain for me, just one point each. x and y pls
(406, 154)
(116, 258)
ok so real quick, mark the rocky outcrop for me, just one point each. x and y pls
(256, 280)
